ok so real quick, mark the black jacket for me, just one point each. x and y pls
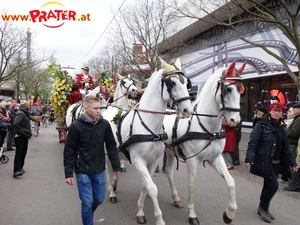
(293, 131)
(21, 123)
(84, 149)
(262, 145)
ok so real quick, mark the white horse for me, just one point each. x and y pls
(104, 95)
(141, 132)
(125, 87)
(200, 138)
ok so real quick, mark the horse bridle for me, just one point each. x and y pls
(123, 84)
(167, 80)
(106, 93)
(232, 81)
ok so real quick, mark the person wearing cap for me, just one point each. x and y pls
(293, 134)
(258, 114)
(83, 79)
(268, 155)
(22, 131)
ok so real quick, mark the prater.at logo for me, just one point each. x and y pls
(55, 14)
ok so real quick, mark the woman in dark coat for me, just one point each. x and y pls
(268, 155)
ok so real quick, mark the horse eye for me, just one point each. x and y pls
(228, 90)
(173, 83)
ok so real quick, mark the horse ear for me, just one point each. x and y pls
(178, 63)
(241, 69)
(165, 66)
(231, 70)
(128, 76)
(111, 88)
(120, 77)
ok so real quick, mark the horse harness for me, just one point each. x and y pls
(152, 137)
(206, 135)
(122, 83)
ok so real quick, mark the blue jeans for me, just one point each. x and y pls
(91, 189)
(165, 160)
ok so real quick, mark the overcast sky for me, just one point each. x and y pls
(73, 40)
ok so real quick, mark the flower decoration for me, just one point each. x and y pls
(60, 90)
(117, 118)
(105, 80)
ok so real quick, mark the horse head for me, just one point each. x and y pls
(229, 89)
(176, 87)
(127, 86)
(105, 92)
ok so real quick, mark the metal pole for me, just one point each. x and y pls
(18, 80)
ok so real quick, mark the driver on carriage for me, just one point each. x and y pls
(85, 81)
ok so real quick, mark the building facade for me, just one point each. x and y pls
(264, 77)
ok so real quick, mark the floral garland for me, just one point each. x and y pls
(105, 80)
(61, 89)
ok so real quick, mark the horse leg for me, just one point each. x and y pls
(148, 186)
(122, 165)
(219, 165)
(192, 165)
(170, 174)
(111, 181)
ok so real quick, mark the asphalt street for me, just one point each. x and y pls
(41, 197)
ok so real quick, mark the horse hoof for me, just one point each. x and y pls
(123, 169)
(194, 221)
(113, 200)
(226, 219)
(141, 219)
(178, 204)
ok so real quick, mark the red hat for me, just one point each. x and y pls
(277, 105)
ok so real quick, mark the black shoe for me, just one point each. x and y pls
(164, 169)
(18, 173)
(295, 189)
(271, 216)
(264, 215)
(22, 170)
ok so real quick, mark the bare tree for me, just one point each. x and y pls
(143, 22)
(282, 14)
(13, 44)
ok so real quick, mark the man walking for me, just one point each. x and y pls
(84, 152)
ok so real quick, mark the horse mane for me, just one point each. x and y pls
(95, 91)
(152, 77)
(117, 91)
(216, 75)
